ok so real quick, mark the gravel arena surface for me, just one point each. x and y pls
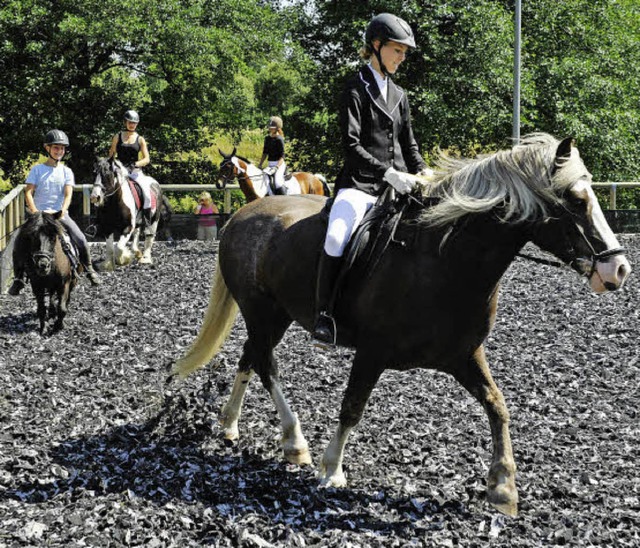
(97, 449)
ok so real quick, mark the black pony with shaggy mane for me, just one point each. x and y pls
(38, 249)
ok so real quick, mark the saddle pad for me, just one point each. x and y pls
(136, 191)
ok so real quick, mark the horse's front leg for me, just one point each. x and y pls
(122, 254)
(61, 309)
(108, 264)
(362, 379)
(475, 376)
(135, 244)
(39, 292)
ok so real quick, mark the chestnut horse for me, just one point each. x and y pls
(428, 303)
(253, 181)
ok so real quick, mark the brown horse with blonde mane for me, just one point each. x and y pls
(430, 301)
(253, 182)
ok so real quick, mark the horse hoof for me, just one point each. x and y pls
(106, 266)
(145, 260)
(301, 457)
(504, 501)
(231, 435)
(337, 479)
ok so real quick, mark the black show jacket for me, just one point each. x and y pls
(376, 134)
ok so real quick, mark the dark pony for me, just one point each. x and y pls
(429, 302)
(39, 249)
(253, 183)
(119, 215)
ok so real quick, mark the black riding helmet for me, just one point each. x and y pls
(56, 137)
(132, 116)
(388, 27)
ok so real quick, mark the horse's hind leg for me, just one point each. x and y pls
(264, 335)
(231, 411)
(362, 379)
(475, 376)
(148, 244)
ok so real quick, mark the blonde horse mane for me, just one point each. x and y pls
(522, 182)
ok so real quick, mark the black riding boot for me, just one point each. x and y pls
(146, 214)
(16, 287)
(92, 275)
(325, 327)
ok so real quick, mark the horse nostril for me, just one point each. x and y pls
(623, 273)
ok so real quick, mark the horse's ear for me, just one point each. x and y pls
(222, 154)
(563, 152)
(57, 215)
(234, 151)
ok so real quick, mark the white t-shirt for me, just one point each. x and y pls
(49, 182)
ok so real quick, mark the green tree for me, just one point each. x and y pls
(189, 66)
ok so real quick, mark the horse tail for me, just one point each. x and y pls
(325, 186)
(218, 321)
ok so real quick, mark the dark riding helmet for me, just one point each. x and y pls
(132, 116)
(387, 26)
(275, 121)
(56, 137)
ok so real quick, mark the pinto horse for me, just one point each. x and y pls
(119, 214)
(253, 181)
(39, 249)
(428, 303)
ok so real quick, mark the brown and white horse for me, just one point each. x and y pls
(254, 184)
(429, 303)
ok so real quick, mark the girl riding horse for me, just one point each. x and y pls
(50, 188)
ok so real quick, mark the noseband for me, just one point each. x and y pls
(42, 255)
(592, 260)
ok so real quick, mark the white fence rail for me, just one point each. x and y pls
(12, 206)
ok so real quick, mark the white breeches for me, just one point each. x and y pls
(348, 209)
(279, 179)
(145, 185)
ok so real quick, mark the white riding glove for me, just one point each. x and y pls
(402, 182)
(426, 173)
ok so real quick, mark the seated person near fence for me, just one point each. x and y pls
(206, 210)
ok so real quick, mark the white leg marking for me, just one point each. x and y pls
(146, 255)
(231, 411)
(295, 447)
(331, 473)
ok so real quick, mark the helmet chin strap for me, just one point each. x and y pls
(379, 58)
(54, 159)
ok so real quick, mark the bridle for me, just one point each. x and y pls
(593, 259)
(101, 185)
(235, 173)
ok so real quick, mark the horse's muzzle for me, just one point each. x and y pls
(610, 274)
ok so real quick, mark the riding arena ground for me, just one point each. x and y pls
(98, 449)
